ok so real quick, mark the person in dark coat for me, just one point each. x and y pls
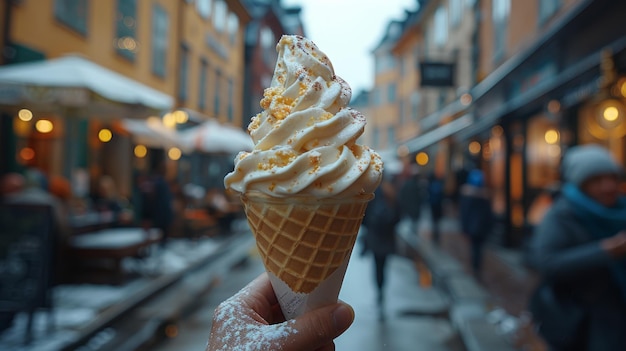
(157, 202)
(435, 200)
(579, 248)
(381, 217)
(476, 216)
(410, 199)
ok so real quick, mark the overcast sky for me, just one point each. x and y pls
(347, 30)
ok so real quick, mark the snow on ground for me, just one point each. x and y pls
(75, 306)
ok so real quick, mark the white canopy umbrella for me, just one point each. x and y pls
(74, 81)
(213, 137)
(152, 133)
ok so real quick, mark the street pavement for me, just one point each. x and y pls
(413, 319)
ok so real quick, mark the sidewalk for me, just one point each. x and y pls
(490, 314)
(85, 313)
(415, 315)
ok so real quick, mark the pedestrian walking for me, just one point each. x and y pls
(435, 200)
(381, 217)
(410, 199)
(157, 203)
(476, 217)
(579, 249)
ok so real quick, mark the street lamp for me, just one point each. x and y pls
(608, 118)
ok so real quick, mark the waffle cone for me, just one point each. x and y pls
(303, 241)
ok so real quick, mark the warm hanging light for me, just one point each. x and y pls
(169, 120)
(551, 136)
(27, 154)
(422, 158)
(25, 115)
(474, 147)
(174, 153)
(180, 116)
(44, 126)
(105, 135)
(140, 151)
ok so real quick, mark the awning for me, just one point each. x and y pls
(153, 133)
(74, 81)
(213, 137)
(425, 140)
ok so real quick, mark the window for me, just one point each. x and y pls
(401, 112)
(391, 135)
(376, 137)
(456, 12)
(72, 13)
(183, 73)
(160, 23)
(500, 16)
(391, 92)
(384, 62)
(231, 99)
(268, 45)
(376, 98)
(547, 8)
(415, 102)
(204, 8)
(440, 30)
(126, 28)
(233, 27)
(217, 97)
(204, 71)
(219, 16)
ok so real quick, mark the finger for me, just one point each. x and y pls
(329, 347)
(259, 297)
(318, 328)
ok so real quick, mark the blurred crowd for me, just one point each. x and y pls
(577, 243)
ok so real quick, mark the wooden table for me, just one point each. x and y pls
(103, 251)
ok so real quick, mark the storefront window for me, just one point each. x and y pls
(543, 155)
(39, 142)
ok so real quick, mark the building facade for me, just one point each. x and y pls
(270, 20)
(549, 79)
(189, 50)
(506, 86)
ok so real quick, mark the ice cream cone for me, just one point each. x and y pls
(304, 242)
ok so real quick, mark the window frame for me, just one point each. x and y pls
(159, 36)
(122, 30)
(73, 14)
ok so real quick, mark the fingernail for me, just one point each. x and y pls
(343, 316)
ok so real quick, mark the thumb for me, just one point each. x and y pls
(320, 327)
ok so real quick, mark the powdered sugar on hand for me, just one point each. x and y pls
(238, 330)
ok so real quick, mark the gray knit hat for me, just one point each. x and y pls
(585, 161)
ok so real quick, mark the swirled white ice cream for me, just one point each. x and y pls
(305, 137)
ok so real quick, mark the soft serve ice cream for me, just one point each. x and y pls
(306, 184)
(305, 137)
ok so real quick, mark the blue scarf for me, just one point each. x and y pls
(602, 222)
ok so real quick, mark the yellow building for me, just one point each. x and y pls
(384, 122)
(192, 51)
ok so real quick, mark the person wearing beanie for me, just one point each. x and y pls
(579, 249)
(476, 217)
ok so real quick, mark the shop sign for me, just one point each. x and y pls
(436, 74)
(11, 94)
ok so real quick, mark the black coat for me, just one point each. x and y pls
(475, 212)
(381, 217)
(570, 259)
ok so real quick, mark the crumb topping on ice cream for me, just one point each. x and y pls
(305, 137)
